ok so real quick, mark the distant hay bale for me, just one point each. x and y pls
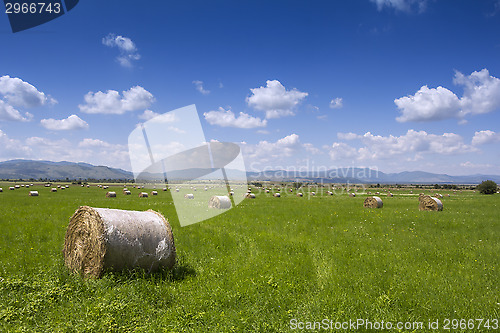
(176, 190)
(267, 191)
(58, 186)
(12, 188)
(219, 202)
(125, 189)
(390, 195)
(63, 188)
(250, 195)
(33, 193)
(373, 202)
(105, 187)
(1, 189)
(164, 189)
(439, 196)
(428, 203)
(277, 195)
(110, 194)
(300, 194)
(143, 195)
(189, 196)
(127, 192)
(88, 186)
(67, 186)
(313, 193)
(352, 195)
(231, 193)
(154, 193)
(17, 186)
(27, 186)
(102, 239)
(53, 189)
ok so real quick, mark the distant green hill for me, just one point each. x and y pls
(27, 169)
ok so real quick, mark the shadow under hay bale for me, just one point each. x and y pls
(428, 203)
(373, 202)
(110, 194)
(101, 239)
(219, 202)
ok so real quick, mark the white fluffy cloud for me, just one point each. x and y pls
(226, 118)
(8, 112)
(111, 102)
(73, 122)
(413, 143)
(127, 48)
(485, 137)
(275, 100)
(336, 103)
(19, 93)
(481, 95)
(200, 88)
(428, 105)
(402, 5)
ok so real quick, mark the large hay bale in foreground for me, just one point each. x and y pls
(99, 239)
(110, 194)
(373, 202)
(428, 203)
(219, 202)
(33, 193)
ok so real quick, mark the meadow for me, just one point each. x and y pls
(259, 267)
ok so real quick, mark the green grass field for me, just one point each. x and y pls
(258, 266)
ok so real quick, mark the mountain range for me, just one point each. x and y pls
(28, 169)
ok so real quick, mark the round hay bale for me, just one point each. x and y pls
(439, 196)
(373, 202)
(63, 188)
(250, 196)
(277, 195)
(17, 186)
(12, 188)
(127, 192)
(154, 193)
(219, 202)
(189, 196)
(143, 195)
(125, 189)
(428, 203)
(88, 186)
(1, 189)
(176, 190)
(313, 193)
(390, 195)
(231, 193)
(101, 239)
(267, 191)
(300, 194)
(33, 193)
(110, 194)
(53, 189)
(352, 195)
(164, 189)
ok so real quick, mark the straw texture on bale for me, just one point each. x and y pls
(100, 239)
(219, 202)
(373, 202)
(277, 195)
(33, 193)
(111, 195)
(189, 196)
(429, 203)
(143, 195)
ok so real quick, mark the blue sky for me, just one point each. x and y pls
(391, 84)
